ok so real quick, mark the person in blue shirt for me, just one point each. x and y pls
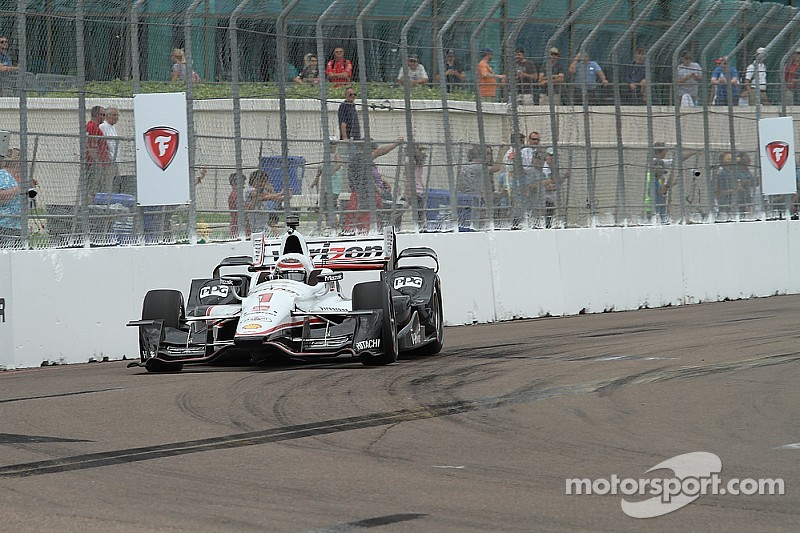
(583, 69)
(719, 82)
(5, 57)
(635, 79)
(10, 209)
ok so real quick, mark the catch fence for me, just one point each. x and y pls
(458, 131)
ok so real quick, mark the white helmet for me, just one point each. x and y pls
(293, 266)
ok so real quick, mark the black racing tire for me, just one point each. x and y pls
(164, 304)
(378, 295)
(436, 325)
(156, 366)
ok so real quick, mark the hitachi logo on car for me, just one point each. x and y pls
(368, 344)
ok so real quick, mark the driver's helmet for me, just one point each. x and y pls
(292, 266)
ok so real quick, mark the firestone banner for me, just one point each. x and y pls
(778, 169)
(162, 151)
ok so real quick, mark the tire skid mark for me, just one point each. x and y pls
(61, 395)
(522, 396)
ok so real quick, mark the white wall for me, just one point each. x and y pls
(72, 305)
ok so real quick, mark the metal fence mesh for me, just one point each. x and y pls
(473, 114)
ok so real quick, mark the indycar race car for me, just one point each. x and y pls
(290, 304)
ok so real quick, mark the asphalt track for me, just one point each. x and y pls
(479, 438)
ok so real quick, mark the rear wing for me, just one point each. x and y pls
(338, 253)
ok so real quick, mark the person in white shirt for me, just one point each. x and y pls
(109, 129)
(751, 84)
(416, 72)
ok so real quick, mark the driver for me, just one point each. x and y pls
(293, 266)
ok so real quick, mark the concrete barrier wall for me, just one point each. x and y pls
(72, 305)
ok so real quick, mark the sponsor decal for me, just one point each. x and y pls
(227, 281)
(334, 309)
(252, 326)
(162, 145)
(220, 291)
(407, 281)
(2, 309)
(327, 253)
(368, 344)
(266, 297)
(338, 276)
(254, 318)
(778, 153)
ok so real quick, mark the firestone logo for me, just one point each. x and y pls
(162, 145)
(778, 153)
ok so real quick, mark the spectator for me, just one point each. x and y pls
(551, 185)
(744, 183)
(330, 195)
(310, 72)
(527, 77)
(517, 190)
(635, 79)
(5, 57)
(263, 203)
(10, 208)
(792, 76)
(357, 219)
(660, 181)
(233, 208)
(179, 67)
(689, 76)
(453, 72)
(109, 129)
(349, 127)
(487, 79)
(751, 84)
(419, 156)
(97, 155)
(719, 82)
(416, 72)
(339, 70)
(478, 172)
(291, 73)
(558, 79)
(587, 72)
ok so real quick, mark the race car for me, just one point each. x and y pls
(288, 303)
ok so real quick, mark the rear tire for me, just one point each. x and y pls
(378, 295)
(436, 324)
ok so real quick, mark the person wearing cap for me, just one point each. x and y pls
(635, 79)
(487, 79)
(792, 76)
(416, 72)
(453, 72)
(586, 72)
(723, 73)
(339, 70)
(557, 71)
(10, 207)
(752, 84)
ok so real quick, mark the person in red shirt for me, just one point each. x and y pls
(339, 70)
(98, 156)
(792, 77)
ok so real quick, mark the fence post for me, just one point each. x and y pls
(83, 187)
(554, 131)
(135, 60)
(707, 147)
(411, 181)
(448, 137)
(237, 118)
(591, 184)
(678, 162)
(648, 75)
(23, 120)
(187, 32)
(623, 211)
(281, 41)
(473, 47)
(362, 79)
(511, 44)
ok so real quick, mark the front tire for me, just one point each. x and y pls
(165, 305)
(378, 295)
